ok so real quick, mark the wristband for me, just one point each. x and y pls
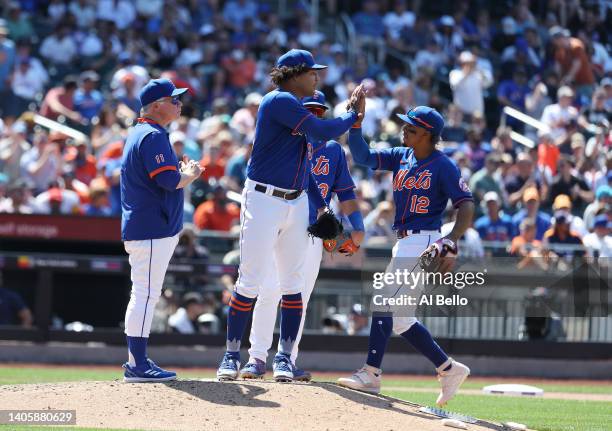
(356, 220)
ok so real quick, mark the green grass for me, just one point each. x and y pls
(536, 413)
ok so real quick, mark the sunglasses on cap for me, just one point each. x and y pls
(174, 100)
(418, 120)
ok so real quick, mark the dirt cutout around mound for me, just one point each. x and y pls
(192, 405)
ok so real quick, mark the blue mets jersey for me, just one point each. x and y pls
(498, 230)
(149, 211)
(279, 150)
(421, 188)
(330, 170)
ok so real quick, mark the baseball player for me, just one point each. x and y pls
(423, 181)
(330, 170)
(274, 213)
(152, 182)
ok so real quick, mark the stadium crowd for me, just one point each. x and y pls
(83, 62)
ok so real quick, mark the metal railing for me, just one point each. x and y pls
(526, 119)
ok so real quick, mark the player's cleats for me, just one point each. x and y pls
(283, 369)
(228, 369)
(451, 380)
(150, 372)
(301, 375)
(254, 369)
(367, 379)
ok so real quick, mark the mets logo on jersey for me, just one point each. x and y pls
(463, 186)
(321, 167)
(403, 181)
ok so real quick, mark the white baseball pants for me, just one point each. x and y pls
(266, 307)
(405, 253)
(272, 229)
(149, 261)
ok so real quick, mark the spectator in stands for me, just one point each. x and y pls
(370, 28)
(60, 101)
(42, 163)
(13, 310)
(27, 84)
(567, 183)
(598, 244)
(84, 13)
(531, 210)
(18, 199)
(512, 93)
(468, 84)
(88, 101)
(358, 322)
(494, 225)
(18, 23)
(448, 38)
(235, 170)
(563, 205)
(216, 213)
(240, 68)
(7, 61)
(596, 113)
(243, 120)
(98, 205)
(572, 61)
(548, 152)
(526, 246)
(378, 222)
(526, 177)
(398, 21)
(59, 48)
(603, 199)
(12, 148)
(185, 320)
(235, 12)
(81, 160)
(485, 180)
(560, 243)
(56, 201)
(121, 12)
(560, 115)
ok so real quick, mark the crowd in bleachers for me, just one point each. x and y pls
(83, 62)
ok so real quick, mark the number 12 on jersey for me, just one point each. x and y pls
(419, 204)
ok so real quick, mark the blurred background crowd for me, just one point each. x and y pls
(537, 184)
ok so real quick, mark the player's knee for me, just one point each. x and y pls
(248, 290)
(402, 324)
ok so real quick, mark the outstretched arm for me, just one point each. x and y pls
(360, 150)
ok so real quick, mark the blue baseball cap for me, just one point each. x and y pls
(601, 221)
(158, 88)
(317, 99)
(424, 117)
(296, 57)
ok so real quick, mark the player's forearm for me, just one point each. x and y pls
(328, 129)
(465, 214)
(360, 150)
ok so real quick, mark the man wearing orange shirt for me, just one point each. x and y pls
(572, 61)
(548, 152)
(216, 213)
(83, 162)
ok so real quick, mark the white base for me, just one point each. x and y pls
(513, 389)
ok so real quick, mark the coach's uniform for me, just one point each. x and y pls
(152, 218)
(330, 170)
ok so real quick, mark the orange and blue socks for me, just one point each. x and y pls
(291, 316)
(421, 339)
(239, 310)
(380, 331)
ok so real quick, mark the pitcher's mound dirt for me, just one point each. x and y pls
(210, 405)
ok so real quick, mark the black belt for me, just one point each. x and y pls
(405, 232)
(289, 196)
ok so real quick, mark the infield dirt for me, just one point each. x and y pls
(211, 405)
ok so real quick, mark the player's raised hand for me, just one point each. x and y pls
(354, 100)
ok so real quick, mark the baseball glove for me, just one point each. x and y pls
(343, 244)
(327, 226)
(439, 257)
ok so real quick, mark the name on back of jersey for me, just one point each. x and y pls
(403, 181)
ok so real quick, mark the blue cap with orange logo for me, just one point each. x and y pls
(424, 117)
(297, 57)
(316, 100)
